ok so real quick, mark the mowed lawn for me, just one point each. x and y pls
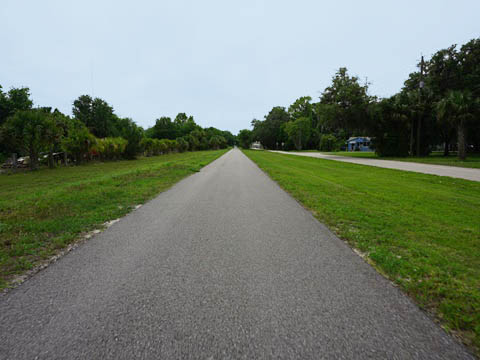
(43, 211)
(472, 160)
(422, 231)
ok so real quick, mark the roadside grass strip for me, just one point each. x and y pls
(421, 231)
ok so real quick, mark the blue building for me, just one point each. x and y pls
(360, 143)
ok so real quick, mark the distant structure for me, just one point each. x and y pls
(360, 143)
(256, 145)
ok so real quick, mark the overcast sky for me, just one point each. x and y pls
(224, 62)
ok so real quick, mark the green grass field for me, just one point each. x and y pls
(43, 211)
(472, 161)
(422, 231)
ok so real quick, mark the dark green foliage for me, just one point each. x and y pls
(459, 108)
(195, 137)
(28, 131)
(245, 138)
(78, 140)
(164, 128)
(389, 128)
(270, 132)
(95, 132)
(349, 101)
(299, 131)
(229, 137)
(409, 123)
(342, 110)
(184, 124)
(217, 142)
(11, 101)
(109, 148)
(182, 145)
(134, 135)
(97, 115)
(329, 142)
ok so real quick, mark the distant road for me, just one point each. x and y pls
(441, 170)
(223, 265)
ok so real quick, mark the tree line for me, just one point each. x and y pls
(438, 107)
(94, 132)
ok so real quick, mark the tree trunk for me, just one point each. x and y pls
(446, 148)
(419, 135)
(412, 137)
(33, 160)
(51, 164)
(14, 160)
(461, 141)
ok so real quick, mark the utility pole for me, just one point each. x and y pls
(421, 84)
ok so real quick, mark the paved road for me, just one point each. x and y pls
(441, 170)
(223, 265)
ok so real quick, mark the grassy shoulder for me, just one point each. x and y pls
(421, 231)
(472, 161)
(43, 211)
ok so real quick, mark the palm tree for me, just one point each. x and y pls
(457, 107)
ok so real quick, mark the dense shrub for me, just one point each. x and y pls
(182, 145)
(147, 144)
(391, 144)
(162, 146)
(171, 145)
(134, 136)
(329, 142)
(27, 131)
(110, 148)
(389, 128)
(78, 141)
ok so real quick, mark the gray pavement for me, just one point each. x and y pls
(441, 170)
(223, 265)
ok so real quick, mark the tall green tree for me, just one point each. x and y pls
(11, 101)
(133, 134)
(78, 140)
(245, 138)
(184, 124)
(97, 115)
(27, 130)
(270, 131)
(54, 132)
(389, 126)
(165, 128)
(459, 107)
(349, 102)
(299, 131)
(302, 107)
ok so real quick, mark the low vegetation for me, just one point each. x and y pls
(43, 211)
(94, 132)
(421, 231)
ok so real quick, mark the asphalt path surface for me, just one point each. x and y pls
(440, 170)
(225, 264)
